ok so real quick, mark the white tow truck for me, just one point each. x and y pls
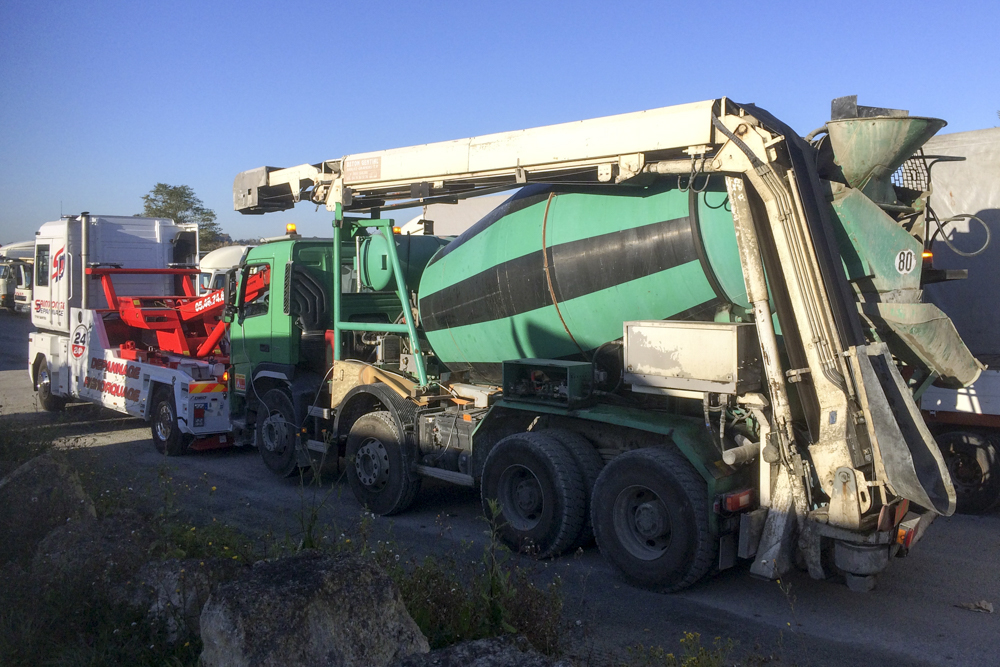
(120, 325)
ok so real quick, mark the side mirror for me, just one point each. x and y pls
(231, 296)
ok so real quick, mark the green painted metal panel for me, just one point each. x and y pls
(878, 254)
(715, 219)
(414, 252)
(655, 297)
(921, 334)
(540, 333)
(869, 150)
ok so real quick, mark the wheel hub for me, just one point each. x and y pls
(528, 496)
(372, 464)
(650, 521)
(642, 522)
(520, 495)
(274, 433)
(164, 422)
(965, 470)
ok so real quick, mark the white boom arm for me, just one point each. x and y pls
(601, 150)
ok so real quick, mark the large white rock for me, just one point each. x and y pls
(311, 609)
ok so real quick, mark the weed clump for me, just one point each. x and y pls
(489, 598)
(19, 444)
(692, 654)
(79, 619)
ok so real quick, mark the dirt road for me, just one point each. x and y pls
(910, 619)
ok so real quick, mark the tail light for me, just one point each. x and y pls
(735, 501)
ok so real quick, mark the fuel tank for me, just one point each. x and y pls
(554, 271)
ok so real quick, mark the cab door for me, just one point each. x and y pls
(51, 282)
(250, 330)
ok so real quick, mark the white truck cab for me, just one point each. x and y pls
(215, 264)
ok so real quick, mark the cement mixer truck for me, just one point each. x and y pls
(690, 334)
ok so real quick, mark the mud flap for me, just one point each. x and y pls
(907, 457)
(774, 553)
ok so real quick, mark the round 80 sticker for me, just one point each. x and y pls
(906, 261)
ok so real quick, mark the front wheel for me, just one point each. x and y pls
(378, 465)
(276, 432)
(167, 436)
(539, 490)
(972, 462)
(49, 401)
(650, 514)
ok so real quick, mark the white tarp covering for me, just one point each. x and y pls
(972, 187)
(453, 219)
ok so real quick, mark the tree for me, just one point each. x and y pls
(179, 203)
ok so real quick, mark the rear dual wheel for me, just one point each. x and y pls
(589, 464)
(650, 515)
(539, 493)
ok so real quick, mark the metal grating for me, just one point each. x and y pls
(913, 174)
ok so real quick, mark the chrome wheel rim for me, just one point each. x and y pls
(164, 421)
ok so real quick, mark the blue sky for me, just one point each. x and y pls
(101, 100)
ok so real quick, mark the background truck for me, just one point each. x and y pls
(215, 265)
(15, 284)
(683, 336)
(962, 172)
(15, 280)
(120, 325)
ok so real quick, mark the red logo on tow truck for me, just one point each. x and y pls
(59, 264)
(79, 341)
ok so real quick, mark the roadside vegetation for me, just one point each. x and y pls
(85, 613)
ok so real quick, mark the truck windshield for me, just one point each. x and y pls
(4, 271)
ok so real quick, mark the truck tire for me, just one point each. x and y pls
(378, 465)
(275, 433)
(49, 401)
(589, 463)
(975, 473)
(540, 494)
(650, 514)
(167, 436)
